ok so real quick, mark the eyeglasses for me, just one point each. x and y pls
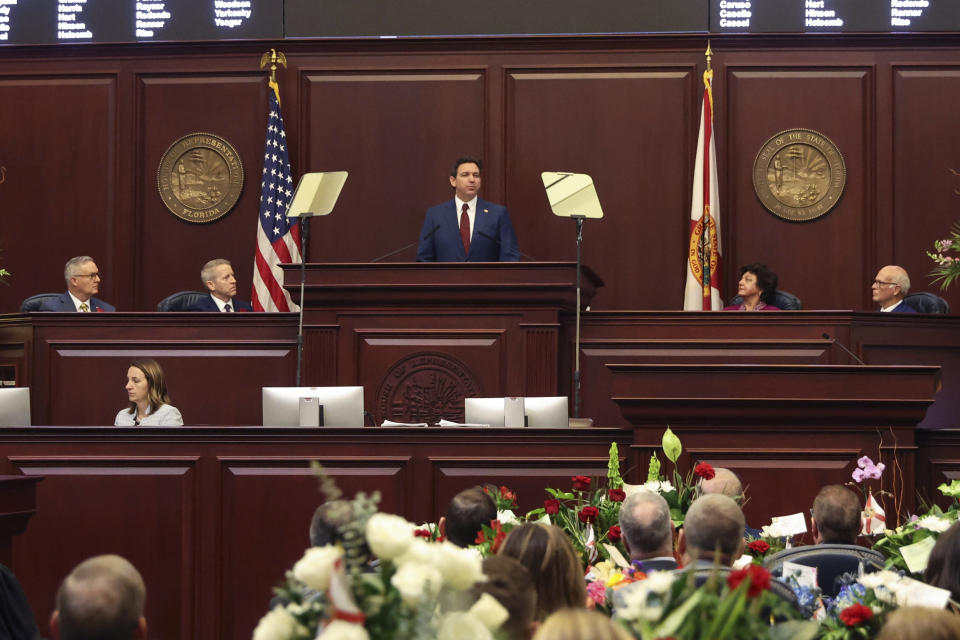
(880, 283)
(92, 276)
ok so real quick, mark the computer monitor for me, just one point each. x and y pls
(547, 411)
(15, 407)
(339, 406)
(538, 412)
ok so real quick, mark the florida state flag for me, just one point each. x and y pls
(703, 256)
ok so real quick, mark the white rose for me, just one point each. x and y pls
(659, 581)
(489, 611)
(278, 624)
(343, 630)
(420, 551)
(415, 581)
(934, 523)
(462, 626)
(635, 599)
(507, 517)
(460, 568)
(316, 566)
(389, 536)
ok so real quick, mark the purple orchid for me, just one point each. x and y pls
(867, 469)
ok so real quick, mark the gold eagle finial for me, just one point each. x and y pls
(273, 58)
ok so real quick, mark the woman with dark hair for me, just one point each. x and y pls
(943, 566)
(757, 289)
(149, 402)
(548, 555)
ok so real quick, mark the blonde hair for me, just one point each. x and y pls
(555, 567)
(580, 624)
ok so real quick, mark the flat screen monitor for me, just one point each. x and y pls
(15, 407)
(538, 412)
(339, 406)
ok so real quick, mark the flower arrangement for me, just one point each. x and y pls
(919, 528)
(336, 590)
(873, 518)
(682, 492)
(739, 606)
(589, 517)
(861, 608)
(947, 267)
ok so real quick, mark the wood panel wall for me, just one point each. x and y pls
(83, 130)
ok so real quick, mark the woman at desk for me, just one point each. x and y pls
(757, 289)
(149, 402)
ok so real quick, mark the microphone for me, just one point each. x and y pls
(497, 240)
(827, 336)
(405, 247)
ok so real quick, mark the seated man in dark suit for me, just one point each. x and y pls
(889, 287)
(217, 276)
(648, 530)
(467, 229)
(103, 597)
(836, 516)
(83, 281)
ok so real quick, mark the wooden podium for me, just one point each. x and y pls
(786, 430)
(18, 503)
(420, 337)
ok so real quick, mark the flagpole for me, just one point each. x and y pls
(705, 247)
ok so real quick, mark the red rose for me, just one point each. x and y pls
(758, 576)
(759, 546)
(581, 483)
(614, 534)
(481, 538)
(855, 614)
(506, 494)
(421, 533)
(588, 514)
(617, 495)
(551, 506)
(705, 471)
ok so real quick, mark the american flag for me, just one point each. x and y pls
(278, 240)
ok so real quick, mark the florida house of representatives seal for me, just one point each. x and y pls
(200, 177)
(799, 174)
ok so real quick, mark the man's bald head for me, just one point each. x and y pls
(102, 599)
(646, 525)
(724, 482)
(714, 523)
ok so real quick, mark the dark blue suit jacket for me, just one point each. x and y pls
(493, 238)
(206, 303)
(64, 302)
(903, 307)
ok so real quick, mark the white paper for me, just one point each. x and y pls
(616, 556)
(914, 593)
(391, 423)
(450, 423)
(804, 575)
(790, 525)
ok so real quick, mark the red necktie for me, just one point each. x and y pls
(465, 229)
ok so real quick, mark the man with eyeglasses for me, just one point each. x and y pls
(889, 287)
(83, 280)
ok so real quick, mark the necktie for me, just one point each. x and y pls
(465, 229)
(84, 307)
(227, 309)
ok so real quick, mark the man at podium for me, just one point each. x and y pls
(467, 229)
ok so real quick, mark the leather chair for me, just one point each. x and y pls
(925, 302)
(782, 300)
(33, 303)
(181, 301)
(831, 561)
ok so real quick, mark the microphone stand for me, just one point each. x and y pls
(576, 344)
(304, 234)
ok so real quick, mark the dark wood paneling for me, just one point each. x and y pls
(628, 127)
(396, 131)
(837, 101)
(170, 251)
(925, 139)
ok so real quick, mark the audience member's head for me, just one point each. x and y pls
(646, 525)
(101, 599)
(468, 512)
(580, 624)
(553, 564)
(327, 520)
(921, 623)
(836, 515)
(714, 525)
(943, 566)
(511, 584)
(723, 482)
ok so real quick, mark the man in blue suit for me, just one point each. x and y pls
(467, 229)
(889, 287)
(83, 280)
(217, 276)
